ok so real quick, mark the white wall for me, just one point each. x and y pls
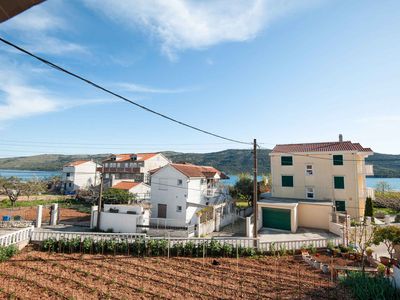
(82, 176)
(165, 190)
(142, 191)
(121, 221)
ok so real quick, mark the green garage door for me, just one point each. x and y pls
(276, 218)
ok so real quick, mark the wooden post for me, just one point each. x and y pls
(100, 198)
(255, 188)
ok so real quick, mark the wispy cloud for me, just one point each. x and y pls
(190, 24)
(38, 28)
(137, 88)
(20, 98)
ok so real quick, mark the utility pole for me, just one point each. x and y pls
(255, 187)
(100, 197)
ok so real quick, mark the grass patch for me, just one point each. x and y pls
(385, 211)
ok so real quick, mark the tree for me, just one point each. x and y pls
(243, 188)
(117, 196)
(383, 187)
(34, 187)
(362, 236)
(369, 209)
(13, 188)
(388, 235)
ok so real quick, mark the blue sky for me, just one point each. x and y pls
(278, 71)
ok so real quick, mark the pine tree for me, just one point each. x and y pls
(369, 209)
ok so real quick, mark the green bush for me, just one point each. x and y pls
(153, 247)
(366, 287)
(7, 252)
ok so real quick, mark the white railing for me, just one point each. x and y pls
(297, 245)
(16, 236)
(163, 223)
(240, 242)
(38, 236)
(367, 192)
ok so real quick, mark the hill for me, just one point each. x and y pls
(231, 161)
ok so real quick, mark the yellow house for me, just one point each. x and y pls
(310, 181)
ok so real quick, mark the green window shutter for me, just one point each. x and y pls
(340, 205)
(287, 181)
(286, 160)
(338, 160)
(339, 182)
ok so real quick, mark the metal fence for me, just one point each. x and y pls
(16, 236)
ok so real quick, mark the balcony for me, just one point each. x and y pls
(367, 170)
(367, 192)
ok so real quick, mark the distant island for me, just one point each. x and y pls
(232, 161)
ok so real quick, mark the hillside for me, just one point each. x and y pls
(231, 161)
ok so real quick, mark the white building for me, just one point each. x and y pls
(80, 174)
(141, 190)
(131, 167)
(180, 191)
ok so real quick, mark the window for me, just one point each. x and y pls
(338, 182)
(180, 182)
(338, 160)
(287, 181)
(68, 174)
(70, 184)
(179, 208)
(310, 193)
(340, 205)
(309, 170)
(286, 161)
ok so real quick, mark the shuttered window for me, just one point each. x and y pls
(340, 205)
(286, 160)
(287, 181)
(338, 160)
(339, 182)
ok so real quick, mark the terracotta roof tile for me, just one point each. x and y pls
(76, 163)
(125, 185)
(320, 147)
(127, 156)
(191, 170)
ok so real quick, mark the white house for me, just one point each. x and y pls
(131, 167)
(141, 190)
(311, 180)
(80, 174)
(180, 191)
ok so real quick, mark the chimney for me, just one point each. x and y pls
(340, 138)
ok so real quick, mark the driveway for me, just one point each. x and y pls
(302, 234)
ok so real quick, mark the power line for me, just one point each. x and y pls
(120, 96)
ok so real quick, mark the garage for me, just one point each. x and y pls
(276, 218)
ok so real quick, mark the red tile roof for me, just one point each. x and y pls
(125, 185)
(76, 163)
(320, 147)
(191, 170)
(127, 156)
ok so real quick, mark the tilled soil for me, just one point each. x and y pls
(30, 214)
(40, 275)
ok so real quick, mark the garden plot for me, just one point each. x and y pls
(45, 275)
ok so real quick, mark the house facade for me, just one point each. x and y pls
(310, 181)
(131, 167)
(141, 190)
(180, 191)
(78, 175)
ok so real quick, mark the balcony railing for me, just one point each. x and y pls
(367, 192)
(367, 170)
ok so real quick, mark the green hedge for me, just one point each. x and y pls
(366, 287)
(141, 247)
(7, 252)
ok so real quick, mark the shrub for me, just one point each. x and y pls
(7, 252)
(365, 287)
(369, 209)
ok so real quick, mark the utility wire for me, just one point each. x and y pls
(118, 95)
